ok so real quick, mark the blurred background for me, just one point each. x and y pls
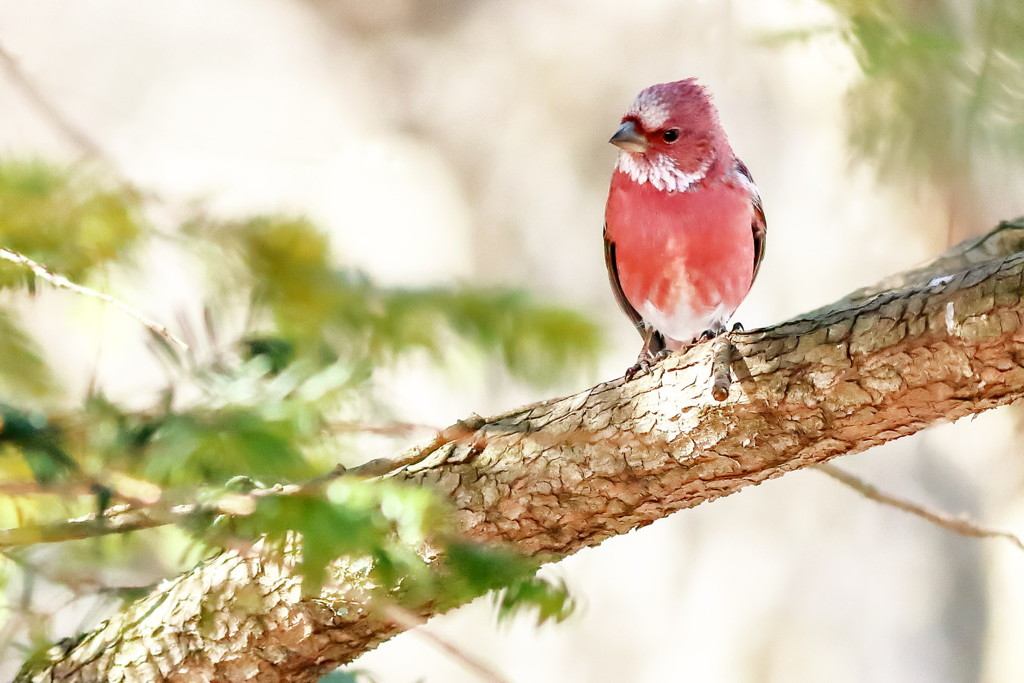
(439, 146)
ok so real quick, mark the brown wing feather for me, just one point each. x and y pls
(613, 278)
(758, 225)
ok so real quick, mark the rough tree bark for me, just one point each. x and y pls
(933, 344)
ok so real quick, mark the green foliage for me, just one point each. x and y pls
(551, 600)
(63, 220)
(940, 87)
(390, 523)
(355, 518)
(37, 441)
(327, 312)
(483, 568)
(212, 445)
(71, 225)
(23, 373)
(254, 410)
(536, 342)
(279, 353)
(202, 445)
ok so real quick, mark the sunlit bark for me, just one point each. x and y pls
(930, 345)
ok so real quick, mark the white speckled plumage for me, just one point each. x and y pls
(650, 109)
(660, 171)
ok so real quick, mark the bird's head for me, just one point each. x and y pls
(670, 136)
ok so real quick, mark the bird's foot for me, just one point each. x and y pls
(634, 369)
(645, 362)
(708, 335)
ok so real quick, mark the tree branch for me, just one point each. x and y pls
(936, 344)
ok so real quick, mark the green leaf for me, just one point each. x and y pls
(279, 353)
(38, 441)
(213, 445)
(328, 531)
(482, 568)
(551, 600)
(538, 343)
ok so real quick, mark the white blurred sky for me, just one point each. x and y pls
(466, 141)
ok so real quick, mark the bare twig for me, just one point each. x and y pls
(459, 432)
(62, 282)
(116, 520)
(142, 514)
(959, 525)
(30, 488)
(410, 621)
(88, 148)
(385, 429)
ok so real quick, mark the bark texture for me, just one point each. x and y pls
(930, 345)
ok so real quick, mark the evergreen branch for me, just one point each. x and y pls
(138, 515)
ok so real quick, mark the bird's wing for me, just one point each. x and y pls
(613, 278)
(758, 225)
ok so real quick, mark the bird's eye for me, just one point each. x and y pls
(670, 135)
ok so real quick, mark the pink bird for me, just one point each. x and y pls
(684, 229)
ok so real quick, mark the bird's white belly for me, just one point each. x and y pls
(683, 324)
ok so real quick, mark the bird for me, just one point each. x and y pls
(684, 232)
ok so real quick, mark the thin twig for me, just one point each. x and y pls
(89, 149)
(138, 515)
(62, 282)
(410, 621)
(459, 432)
(116, 520)
(385, 429)
(959, 525)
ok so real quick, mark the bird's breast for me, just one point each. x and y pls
(683, 258)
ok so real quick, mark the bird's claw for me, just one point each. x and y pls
(714, 333)
(708, 335)
(635, 369)
(645, 363)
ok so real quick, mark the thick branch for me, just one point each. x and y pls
(560, 475)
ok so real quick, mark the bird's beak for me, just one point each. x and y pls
(629, 138)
